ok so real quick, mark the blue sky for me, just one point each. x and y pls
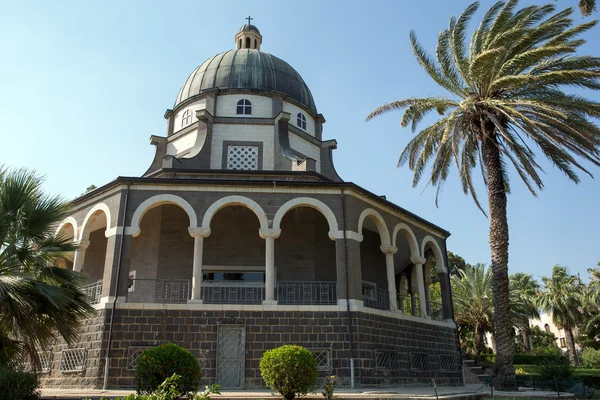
(83, 85)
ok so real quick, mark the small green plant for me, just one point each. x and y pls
(582, 391)
(208, 390)
(156, 364)
(329, 388)
(290, 370)
(590, 358)
(554, 366)
(18, 385)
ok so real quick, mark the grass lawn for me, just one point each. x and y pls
(578, 372)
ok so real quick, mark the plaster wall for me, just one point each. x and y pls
(262, 106)
(198, 105)
(182, 143)
(305, 147)
(242, 133)
(294, 110)
(95, 256)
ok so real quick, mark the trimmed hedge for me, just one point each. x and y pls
(535, 359)
(590, 358)
(157, 364)
(289, 369)
(18, 385)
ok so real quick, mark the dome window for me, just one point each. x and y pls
(244, 107)
(247, 42)
(301, 121)
(186, 118)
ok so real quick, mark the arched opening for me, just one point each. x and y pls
(373, 265)
(255, 43)
(160, 269)
(90, 258)
(436, 281)
(233, 268)
(406, 243)
(240, 43)
(305, 259)
(247, 42)
(66, 233)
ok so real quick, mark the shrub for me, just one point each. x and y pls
(291, 370)
(156, 364)
(554, 366)
(18, 385)
(582, 391)
(590, 358)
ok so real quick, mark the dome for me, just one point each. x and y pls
(248, 27)
(247, 69)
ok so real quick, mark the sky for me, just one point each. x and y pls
(84, 84)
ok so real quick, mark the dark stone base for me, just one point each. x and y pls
(409, 352)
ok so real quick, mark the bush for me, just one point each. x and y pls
(590, 358)
(290, 370)
(554, 366)
(582, 391)
(18, 385)
(156, 364)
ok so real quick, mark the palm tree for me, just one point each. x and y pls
(472, 300)
(505, 97)
(561, 297)
(523, 299)
(587, 7)
(37, 300)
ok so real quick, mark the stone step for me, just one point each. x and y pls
(483, 377)
(476, 370)
(468, 362)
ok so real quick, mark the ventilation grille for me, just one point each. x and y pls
(242, 157)
(72, 360)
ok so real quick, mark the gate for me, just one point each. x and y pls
(231, 345)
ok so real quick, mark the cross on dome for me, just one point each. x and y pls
(249, 19)
(248, 36)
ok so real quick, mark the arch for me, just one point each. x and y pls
(235, 200)
(410, 237)
(307, 202)
(68, 221)
(440, 260)
(384, 233)
(247, 42)
(244, 107)
(98, 207)
(158, 200)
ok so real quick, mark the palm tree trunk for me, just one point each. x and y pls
(571, 346)
(479, 340)
(503, 368)
(526, 340)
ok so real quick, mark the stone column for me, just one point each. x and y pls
(198, 234)
(389, 252)
(270, 279)
(418, 263)
(401, 293)
(80, 255)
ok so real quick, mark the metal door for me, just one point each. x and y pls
(231, 345)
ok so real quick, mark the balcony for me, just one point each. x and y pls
(232, 292)
(93, 291)
(376, 298)
(158, 291)
(307, 293)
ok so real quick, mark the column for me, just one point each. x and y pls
(428, 299)
(80, 254)
(270, 279)
(418, 263)
(401, 293)
(389, 252)
(198, 234)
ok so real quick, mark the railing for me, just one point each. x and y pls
(158, 291)
(376, 298)
(93, 291)
(407, 307)
(436, 312)
(232, 292)
(307, 292)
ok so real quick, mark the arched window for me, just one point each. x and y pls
(244, 107)
(247, 42)
(186, 118)
(240, 46)
(255, 44)
(301, 121)
(547, 328)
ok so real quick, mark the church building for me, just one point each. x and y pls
(241, 237)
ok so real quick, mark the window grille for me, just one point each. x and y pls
(45, 363)
(301, 121)
(72, 360)
(244, 107)
(387, 360)
(419, 362)
(242, 157)
(448, 363)
(186, 118)
(323, 359)
(133, 353)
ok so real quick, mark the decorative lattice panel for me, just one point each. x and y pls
(387, 360)
(133, 353)
(72, 360)
(448, 363)
(45, 362)
(323, 358)
(419, 362)
(242, 157)
(231, 343)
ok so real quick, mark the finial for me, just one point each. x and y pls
(249, 19)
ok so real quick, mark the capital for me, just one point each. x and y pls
(283, 116)
(418, 260)
(389, 249)
(202, 232)
(269, 233)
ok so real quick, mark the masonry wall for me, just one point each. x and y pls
(95, 256)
